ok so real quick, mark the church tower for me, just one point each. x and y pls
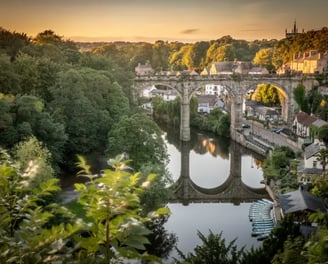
(293, 32)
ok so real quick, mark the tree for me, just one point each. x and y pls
(323, 134)
(27, 69)
(160, 55)
(9, 79)
(213, 250)
(316, 248)
(32, 149)
(263, 58)
(322, 157)
(12, 42)
(177, 59)
(225, 53)
(267, 94)
(140, 138)
(196, 54)
(300, 98)
(291, 252)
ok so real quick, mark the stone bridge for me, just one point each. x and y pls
(237, 86)
(233, 190)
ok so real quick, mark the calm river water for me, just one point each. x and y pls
(209, 167)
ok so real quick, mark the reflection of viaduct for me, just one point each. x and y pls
(237, 85)
(233, 190)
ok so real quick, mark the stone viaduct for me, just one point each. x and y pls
(237, 86)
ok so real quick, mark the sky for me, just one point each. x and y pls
(171, 20)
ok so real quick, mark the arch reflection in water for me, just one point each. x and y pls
(232, 190)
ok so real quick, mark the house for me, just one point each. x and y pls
(310, 166)
(242, 67)
(166, 95)
(214, 89)
(206, 103)
(145, 69)
(300, 203)
(249, 107)
(310, 61)
(186, 72)
(258, 70)
(147, 93)
(301, 124)
(323, 90)
(310, 158)
(206, 71)
(266, 113)
(230, 67)
(222, 67)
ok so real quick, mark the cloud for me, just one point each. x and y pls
(189, 31)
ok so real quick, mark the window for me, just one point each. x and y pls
(314, 164)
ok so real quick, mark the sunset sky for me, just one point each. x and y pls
(150, 20)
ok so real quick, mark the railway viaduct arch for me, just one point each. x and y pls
(236, 84)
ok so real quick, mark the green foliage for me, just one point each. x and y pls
(300, 98)
(263, 58)
(316, 248)
(277, 165)
(285, 48)
(23, 235)
(157, 194)
(9, 79)
(216, 121)
(32, 149)
(12, 42)
(160, 55)
(140, 138)
(323, 134)
(26, 116)
(267, 94)
(322, 157)
(213, 250)
(115, 227)
(291, 252)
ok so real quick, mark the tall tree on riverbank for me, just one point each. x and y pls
(140, 138)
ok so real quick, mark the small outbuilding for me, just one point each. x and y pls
(301, 203)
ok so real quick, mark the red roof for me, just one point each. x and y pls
(305, 119)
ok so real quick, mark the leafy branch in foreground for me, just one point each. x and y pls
(24, 214)
(115, 228)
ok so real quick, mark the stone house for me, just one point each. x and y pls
(310, 62)
(222, 67)
(266, 113)
(206, 103)
(166, 95)
(147, 93)
(145, 69)
(310, 158)
(258, 71)
(214, 89)
(249, 107)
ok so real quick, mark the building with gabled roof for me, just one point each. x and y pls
(300, 202)
(144, 69)
(302, 124)
(206, 103)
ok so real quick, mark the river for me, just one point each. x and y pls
(209, 163)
